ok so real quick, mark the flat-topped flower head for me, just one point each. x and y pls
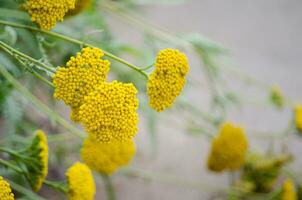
(106, 158)
(5, 190)
(46, 13)
(109, 112)
(81, 76)
(38, 151)
(288, 190)
(168, 79)
(80, 182)
(228, 149)
(298, 117)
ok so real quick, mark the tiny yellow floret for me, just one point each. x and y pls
(46, 13)
(109, 112)
(298, 117)
(81, 76)
(168, 79)
(5, 190)
(288, 190)
(228, 149)
(106, 158)
(80, 181)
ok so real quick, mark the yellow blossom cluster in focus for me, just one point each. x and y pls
(167, 80)
(5, 190)
(106, 158)
(228, 149)
(47, 12)
(80, 182)
(109, 112)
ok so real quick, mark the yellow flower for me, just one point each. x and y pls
(80, 181)
(81, 76)
(107, 157)
(228, 149)
(167, 80)
(288, 190)
(38, 151)
(47, 12)
(5, 190)
(298, 117)
(277, 97)
(109, 112)
(80, 5)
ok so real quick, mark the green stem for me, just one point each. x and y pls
(28, 193)
(12, 166)
(73, 130)
(148, 67)
(6, 47)
(61, 186)
(75, 41)
(109, 187)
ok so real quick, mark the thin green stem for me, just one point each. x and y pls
(61, 186)
(28, 193)
(73, 130)
(75, 41)
(12, 166)
(148, 67)
(6, 47)
(109, 187)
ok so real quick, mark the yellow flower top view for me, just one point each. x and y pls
(228, 149)
(5, 190)
(288, 190)
(39, 152)
(106, 158)
(47, 12)
(80, 5)
(168, 79)
(80, 181)
(81, 76)
(109, 112)
(298, 117)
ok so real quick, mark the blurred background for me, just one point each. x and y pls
(237, 51)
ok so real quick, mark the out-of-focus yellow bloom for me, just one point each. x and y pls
(228, 149)
(298, 117)
(167, 80)
(38, 151)
(288, 190)
(5, 190)
(47, 12)
(107, 157)
(109, 112)
(277, 97)
(80, 181)
(80, 5)
(81, 76)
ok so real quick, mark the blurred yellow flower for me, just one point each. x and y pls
(80, 181)
(288, 190)
(109, 112)
(228, 149)
(107, 157)
(47, 12)
(38, 151)
(167, 80)
(80, 5)
(298, 117)
(5, 190)
(277, 97)
(81, 76)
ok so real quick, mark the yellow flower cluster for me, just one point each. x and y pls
(106, 158)
(289, 192)
(298, 117)
(47, 12)
(81, 185)
(80, 5)
(81, 76)
(167, 80)
(5, 190)
(228, 149)
(109, 112)
(38, 151)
